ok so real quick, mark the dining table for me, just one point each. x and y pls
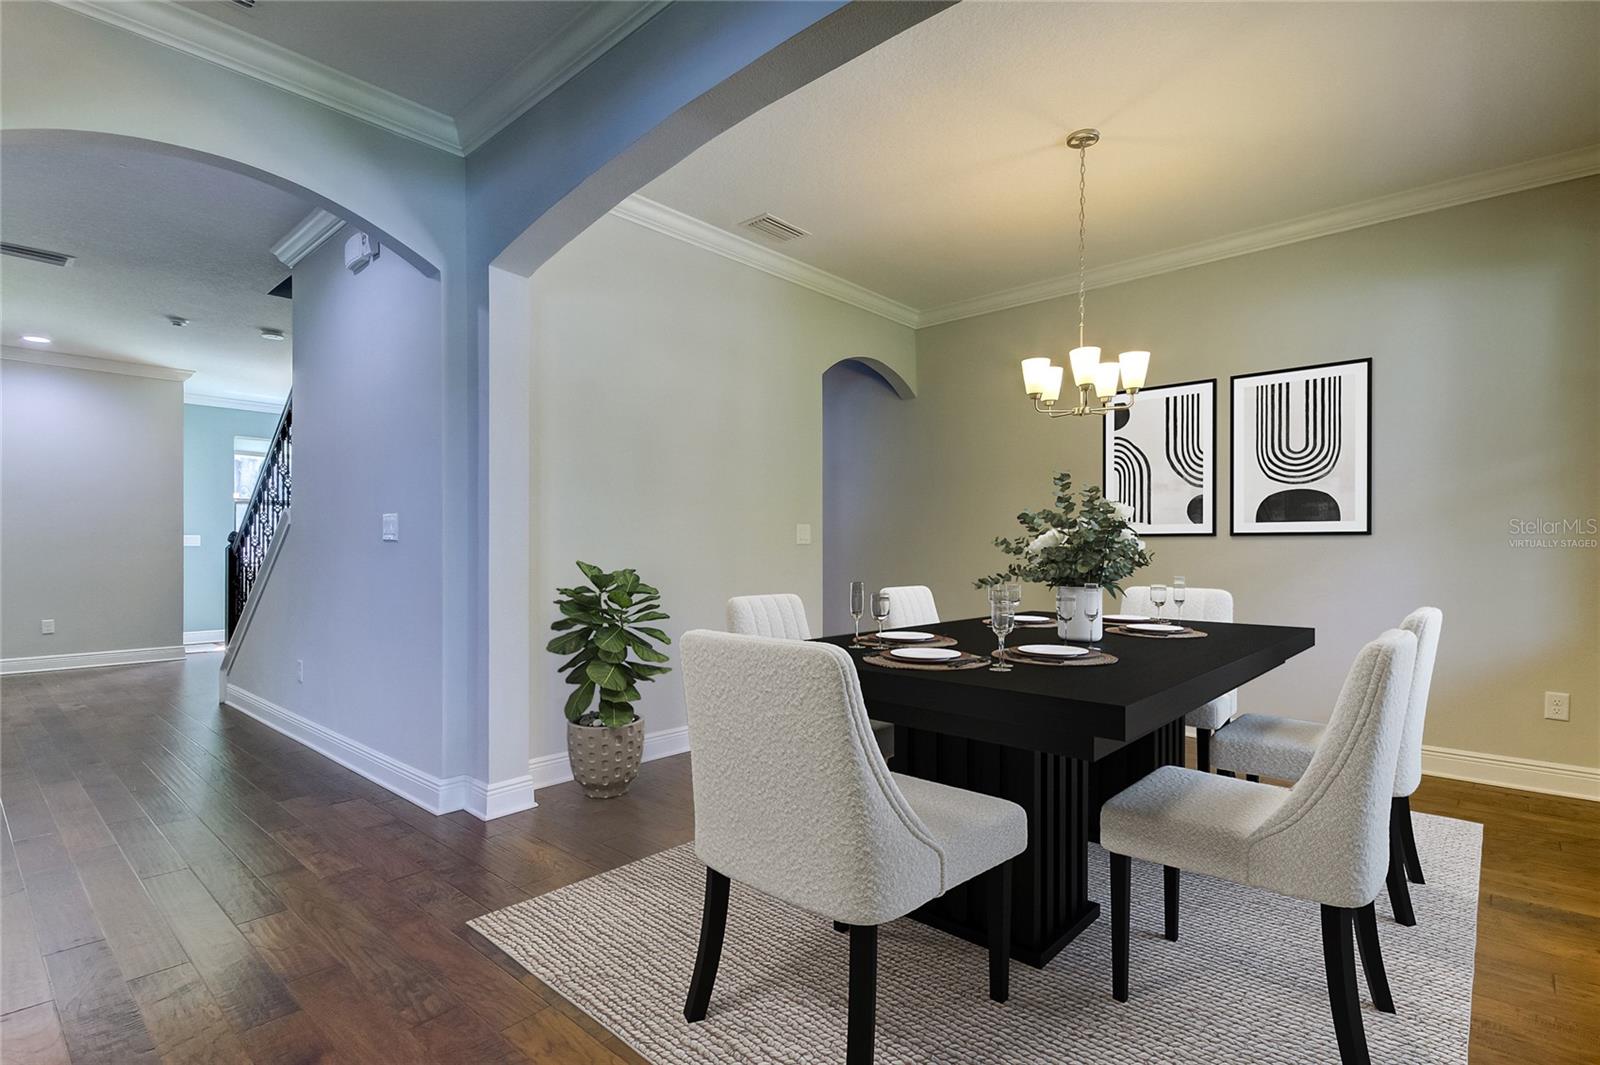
(1058, 741)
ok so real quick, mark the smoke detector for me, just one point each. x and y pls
(272, 334)
(774, 228)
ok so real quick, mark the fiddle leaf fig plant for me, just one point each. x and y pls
(604, 630)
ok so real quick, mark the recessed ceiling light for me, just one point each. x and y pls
(35, 338)
(177, 320)
(272, 334)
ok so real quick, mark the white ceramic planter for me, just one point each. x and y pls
(1079, 629)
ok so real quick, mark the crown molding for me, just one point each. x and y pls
(663, 219)
(126, 367)
(202, 399)
(1551, 170)
(306, 236)
(592, 31)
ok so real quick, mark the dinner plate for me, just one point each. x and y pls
(1033, 619)
(906, 637)
(1162, 627)
(1127, 617)
(1052, 650)
(925, 654)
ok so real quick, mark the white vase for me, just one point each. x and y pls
(1080, 628)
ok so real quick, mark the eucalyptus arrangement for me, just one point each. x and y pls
(602, 624)
(1073, 544)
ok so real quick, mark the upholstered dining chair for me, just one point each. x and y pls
(1259, 745)
(1200, 604)
(783, 617)
(909, 605)
(1324, 840)
(792, 798)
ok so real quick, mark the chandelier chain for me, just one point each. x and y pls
(1083, 246)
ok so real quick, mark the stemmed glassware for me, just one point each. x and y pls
(1067, 607)
(1158, 596)
(880, 611)
(1002, 617)
(1180, 592)
(1091, 610)
(858, 606)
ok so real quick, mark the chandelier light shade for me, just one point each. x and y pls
(1097, 382)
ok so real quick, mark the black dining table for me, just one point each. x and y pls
(1059, 741)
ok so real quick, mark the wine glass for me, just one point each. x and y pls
(1180, 592)
(1158, 596)
(880, 611)
(1067, 607)
(1091, 609)
(858, 606)
(1002, 616)
(1014, 597)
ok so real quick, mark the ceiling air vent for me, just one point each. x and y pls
(243, 3)
(38, 255)
(774, 228)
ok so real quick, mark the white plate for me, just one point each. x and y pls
(925, 654)
(906, 637)
(1127, 617)
(1033, 619)
(1155, 627)
(1051, 650)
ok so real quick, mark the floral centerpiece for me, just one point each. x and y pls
(1071, 546)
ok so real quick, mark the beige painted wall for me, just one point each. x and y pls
(677, 428)
(1483, 323)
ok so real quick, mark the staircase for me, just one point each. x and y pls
(252, 548)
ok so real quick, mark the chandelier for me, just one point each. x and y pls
(1096, 381)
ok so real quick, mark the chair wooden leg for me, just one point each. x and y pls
(863, 1020)
(1399, 888)
(1202, 749)
(998, 890)
(1169, 894)
(1121, 887)
(1252, 778)
(1400, 811)
(713, 924)
(1372, 958)
(1224, 772)
(1339, 961)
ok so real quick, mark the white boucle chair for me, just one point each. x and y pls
(1324, 840)
(1263, 746)
(910, 605)
(783, 617)
(792, 798)
(1200, 604)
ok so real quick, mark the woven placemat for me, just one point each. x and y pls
(1045, 624)
(968, 662)
(1186, 634)
(1094, 658)
(937, 641)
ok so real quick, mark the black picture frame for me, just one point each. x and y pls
(1155, 393)
(1234, 450)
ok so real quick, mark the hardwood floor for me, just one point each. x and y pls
(181, 884)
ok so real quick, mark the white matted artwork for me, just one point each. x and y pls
(1160, 458)
(1302, 450)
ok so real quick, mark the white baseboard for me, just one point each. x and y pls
(551, 769)
(205, 636)
(1524, 774)
(437, 795)
(90, 659)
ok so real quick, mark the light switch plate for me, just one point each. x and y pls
(191, 539)
(47, 627)
(802, 534)
(391, 526)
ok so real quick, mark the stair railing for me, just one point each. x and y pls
(263, 516)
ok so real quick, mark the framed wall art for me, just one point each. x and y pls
(1160, 459)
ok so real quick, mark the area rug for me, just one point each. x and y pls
(1244, 983)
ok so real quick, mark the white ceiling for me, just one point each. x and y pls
(154, 235)
(930, 170)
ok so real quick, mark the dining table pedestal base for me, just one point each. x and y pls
(1050, 902)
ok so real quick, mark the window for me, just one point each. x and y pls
(249, 452)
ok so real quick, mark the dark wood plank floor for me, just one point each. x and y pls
(182, 884)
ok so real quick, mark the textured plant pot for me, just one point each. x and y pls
(1079, 628)
(605, 760)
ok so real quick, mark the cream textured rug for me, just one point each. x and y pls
(1244, 983)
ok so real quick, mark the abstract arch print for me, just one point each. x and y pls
(1301, 450)
(1160, 459)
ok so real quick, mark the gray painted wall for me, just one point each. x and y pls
(91, 489)
(208, 434)
(1481, 322)
(364, 616)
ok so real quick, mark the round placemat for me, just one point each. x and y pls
(1095, 658)
(968, 662)
(1186, 634)
(937, 641)
(1045, 624)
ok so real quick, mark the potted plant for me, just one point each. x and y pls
(603, 624)
(1072, 546)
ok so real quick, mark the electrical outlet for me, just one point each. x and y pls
(1558, 706)
(391, 527)
(300, 670)
(802, 534)
(47, 626)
